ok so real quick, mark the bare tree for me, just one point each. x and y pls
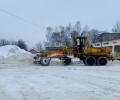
(38, 47)
(12, 42)
(85, 30)
(68, 30)
(116, 27)
(93, 35)
(49, 32)
(77, 27)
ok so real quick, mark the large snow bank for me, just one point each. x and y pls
(12, 54)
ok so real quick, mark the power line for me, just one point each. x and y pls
(20, 18)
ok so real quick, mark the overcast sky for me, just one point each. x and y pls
(98, 14)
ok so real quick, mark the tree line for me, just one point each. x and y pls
(62, 35)
(20, 43)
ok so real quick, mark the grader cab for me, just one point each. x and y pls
(81, 49)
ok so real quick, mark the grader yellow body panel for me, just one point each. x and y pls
(98, 51)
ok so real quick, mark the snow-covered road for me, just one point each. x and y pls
(57, 82)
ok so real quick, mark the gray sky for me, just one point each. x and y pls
(98, 14)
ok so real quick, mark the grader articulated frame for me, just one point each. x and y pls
(89, 55)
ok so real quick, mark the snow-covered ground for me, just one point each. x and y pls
(23, 80)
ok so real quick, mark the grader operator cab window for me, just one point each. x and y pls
(80, 44)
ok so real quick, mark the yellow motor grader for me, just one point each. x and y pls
(81, 49)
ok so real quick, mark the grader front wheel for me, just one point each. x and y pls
(44, 61)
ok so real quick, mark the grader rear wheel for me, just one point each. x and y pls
(102, 61)
(90, 60)
(44, 61)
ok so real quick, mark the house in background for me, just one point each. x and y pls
(108, 37)
(33, 51)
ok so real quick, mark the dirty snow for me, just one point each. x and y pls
(27, 81)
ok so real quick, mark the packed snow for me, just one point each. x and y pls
(12, 54)
(20, 79)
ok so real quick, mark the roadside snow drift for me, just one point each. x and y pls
(12, 54)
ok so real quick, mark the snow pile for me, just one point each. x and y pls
(12, 54)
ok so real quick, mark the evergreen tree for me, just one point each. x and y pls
(22, 44)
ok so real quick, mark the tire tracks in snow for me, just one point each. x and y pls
(97, 83)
